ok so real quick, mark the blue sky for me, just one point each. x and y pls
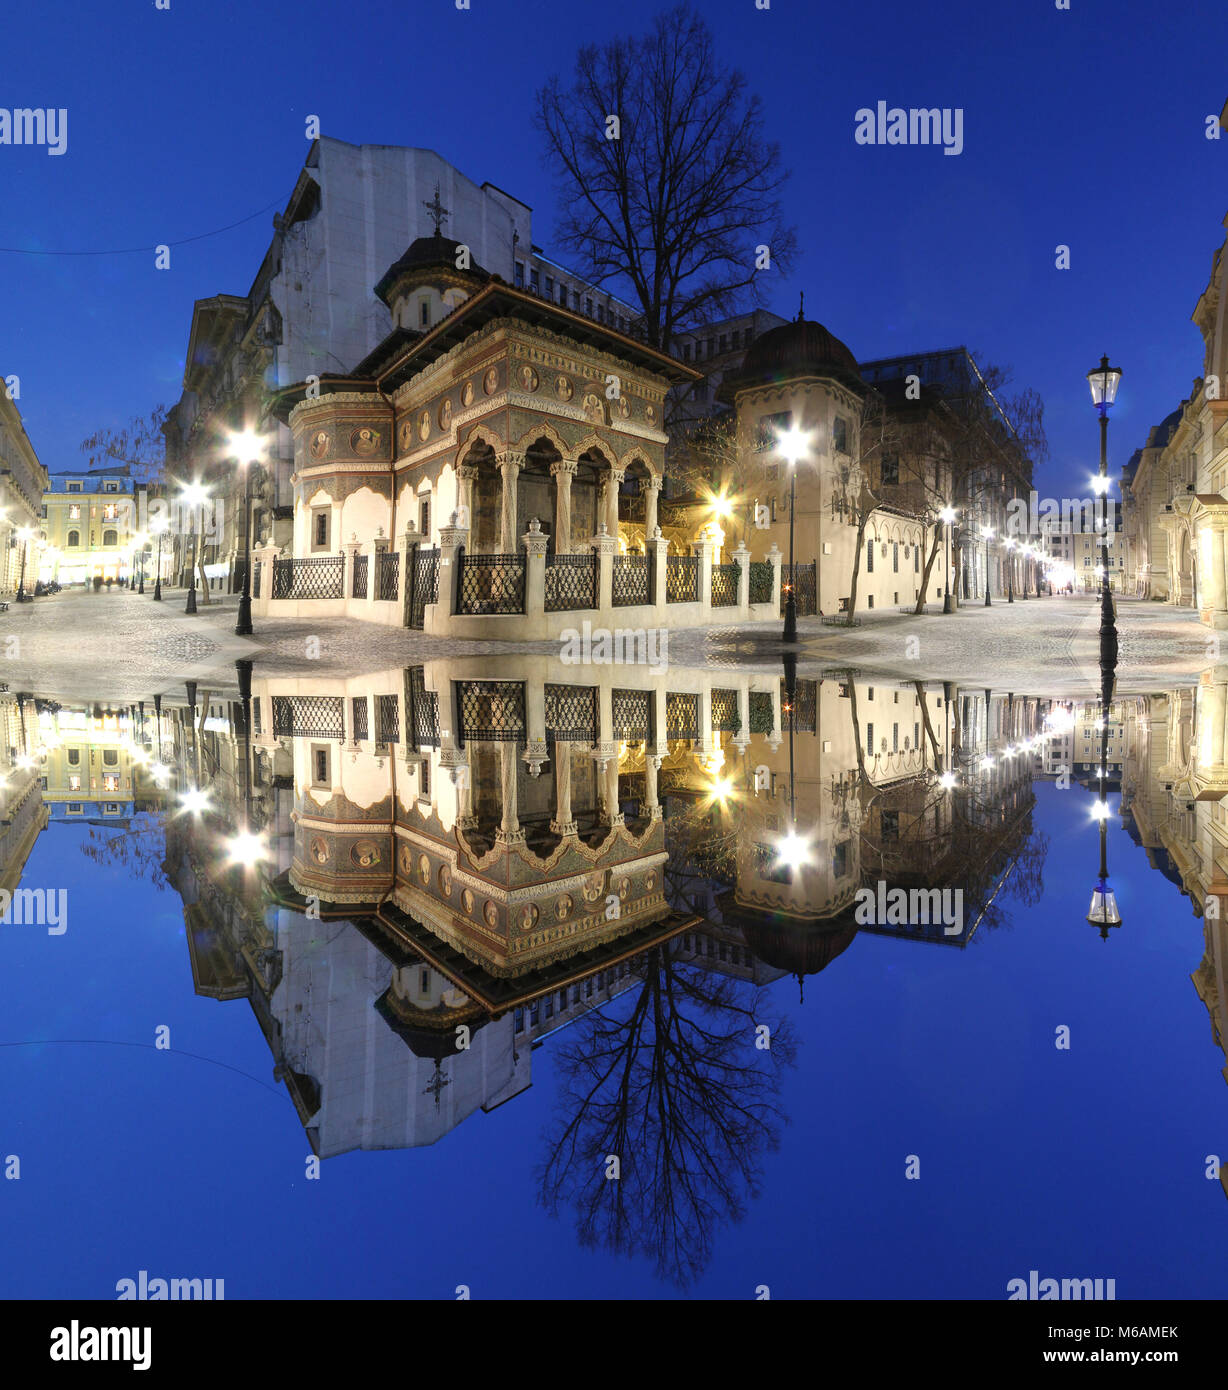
(1082, 127)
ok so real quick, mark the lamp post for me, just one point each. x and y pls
(1009, 542)
(792, 445)
(947, 515)
(987, 532)
(1103, 912)
(24, 535)
(158, 526)
(1104, 381)
(247, 447)
(192, 496)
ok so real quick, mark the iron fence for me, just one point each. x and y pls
(632, 580)
(761, 581)
(725, 584)
(761, 721)
(725, 716)
(388, 575)
(308, 716)
(632, 714)
(681, 578)
(359, 587)
(490, 583)
(681, 714)
(358, 707)
(804, 713)
(387, 719)
(571, 582)
(491, 711)
(806, 588)
(423, 585)
(318, 576)
(571, 713)
(423, 709)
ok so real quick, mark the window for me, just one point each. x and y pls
(895, 557)
(575, 300)
(895, 738)
(840, 435)
(424, 981)
(588, 306)
(72, 487)
(534, 278)
(840, 860)
(520, 275)
(737, 338)
(110, 511)
(711, 347)
(563, 295)
(43, 510)
(319, 765)
(424, 314)
(686, 352)
(110, 537)
(424, 516)
(319, 539)
(74, 783)
(891, 470)
(110, 808)
(74, 538)
(73, 808)
(110, 757)
(870, 738)
(533, 1012)
(869, 557)
(74, 512)
(916, 559)
(110, 486)
(549, 286)
(74, 757)
(110, 783)
(768, 427)
(520, 1019)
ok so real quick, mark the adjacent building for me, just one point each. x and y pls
(23, 481)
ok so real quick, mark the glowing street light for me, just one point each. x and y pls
(195, 801)
(987, 533)
(793, 445)
(247, 448)
(947, 517)
(246, 848)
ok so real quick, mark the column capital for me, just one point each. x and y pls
(564, 468)
(510, 458)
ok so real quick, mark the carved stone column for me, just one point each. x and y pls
(564, 470)
(510, 464)
(651, 490)
(562, 822)
(466, 476)
(509, 832)
(616, 476)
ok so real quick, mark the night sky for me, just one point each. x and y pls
(1084, 128)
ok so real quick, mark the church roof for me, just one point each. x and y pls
(427, 253)
(800, 348)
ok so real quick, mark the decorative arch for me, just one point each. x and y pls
(546, 431)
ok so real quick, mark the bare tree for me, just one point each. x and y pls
(668, 187)
(139, 446)
(675, 1088)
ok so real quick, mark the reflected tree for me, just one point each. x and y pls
(138, 848)
(677, 1091)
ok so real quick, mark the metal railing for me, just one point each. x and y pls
(632, 580)
(423, 585)
(490, 583)
(760, 581)
(682, 578)
(319, 576)
(571, 582)
(358, 588)
(725, 584)
(387, 575)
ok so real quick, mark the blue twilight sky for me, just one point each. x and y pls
(1082, 127)
(1079, 1163)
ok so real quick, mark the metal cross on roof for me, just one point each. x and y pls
(436, 209)
(436, 1084)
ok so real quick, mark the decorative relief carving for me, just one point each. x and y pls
(365, 441)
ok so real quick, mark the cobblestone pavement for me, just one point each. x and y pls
(122, 646)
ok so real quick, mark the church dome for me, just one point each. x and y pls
(427, 254)
(800, 348)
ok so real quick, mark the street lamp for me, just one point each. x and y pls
(1009, 542)
(192, 496)
(158, 526)
(987, 532)
(793, 444)
(24, 535)
(947, 515)
(1104, 381)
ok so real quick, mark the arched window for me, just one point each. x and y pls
(74, 538)
(110, 538)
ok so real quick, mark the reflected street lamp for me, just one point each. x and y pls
(1104, 381)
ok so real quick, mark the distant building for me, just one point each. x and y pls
(23, 480)
(89, 520)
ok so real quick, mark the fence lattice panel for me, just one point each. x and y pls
(571, 713)
(632, 580)
(571, 582)
(681, 578)
(491, 583)
(316, 576)
(308, 716)
(491, 711)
